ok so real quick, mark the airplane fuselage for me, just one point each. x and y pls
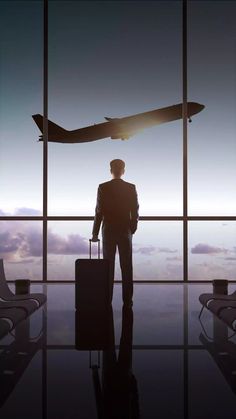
(119, 128)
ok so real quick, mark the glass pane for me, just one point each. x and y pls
(157, 249)
(21, 32)
(67, 241)
(211, 77)
(21, 249)
(212, 251)
(115, 59)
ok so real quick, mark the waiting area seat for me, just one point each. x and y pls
(9, 318)
(28, 306)
(221, 305)
(207, 297)
(218, 306)
(7, 295)
(15, 308)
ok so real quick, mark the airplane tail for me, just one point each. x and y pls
(54, 130)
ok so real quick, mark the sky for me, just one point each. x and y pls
(116, 59)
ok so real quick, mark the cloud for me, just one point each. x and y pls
(149, 250)
(174, 259)
(73, 244)
(174, 271)
(166, 250)
(2, 213)
(23, 240)
(27, 211)
(146, 250)
(31, 244)
(23, 261)
(9, 243)
(206, 249)
(22, 211)
(20, 242)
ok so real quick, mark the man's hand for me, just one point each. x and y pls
(95, 239)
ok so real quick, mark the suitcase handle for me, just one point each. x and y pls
(90, 248)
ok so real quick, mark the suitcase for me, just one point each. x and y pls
(92, 282)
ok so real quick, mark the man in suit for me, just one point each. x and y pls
(117, 209)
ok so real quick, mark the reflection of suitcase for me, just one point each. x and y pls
(94, 329)
(92, 282)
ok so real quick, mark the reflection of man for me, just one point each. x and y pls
(117, 207)
(119, 385)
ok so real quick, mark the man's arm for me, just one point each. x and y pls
(98, 215)
(134, 210)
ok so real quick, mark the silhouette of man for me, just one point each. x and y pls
(117, 209)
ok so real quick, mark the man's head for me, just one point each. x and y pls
(117, 168)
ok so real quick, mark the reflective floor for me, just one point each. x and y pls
(155, 361)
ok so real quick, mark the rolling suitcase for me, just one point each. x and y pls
(92, 282)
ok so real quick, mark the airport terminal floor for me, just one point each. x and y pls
(155, 360)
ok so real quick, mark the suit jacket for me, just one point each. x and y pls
(117, 206)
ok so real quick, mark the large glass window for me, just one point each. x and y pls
(212, 135)
(114, 59)
(21, 52)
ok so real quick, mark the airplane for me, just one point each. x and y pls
(116, 128)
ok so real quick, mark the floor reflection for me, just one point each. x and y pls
(116, 394)
(156, 360)
(222, 350)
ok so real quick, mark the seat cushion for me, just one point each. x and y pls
(206, 298)
(38, 298)
(216, 306)
(28, 306)
(228, 315)
(14, 315)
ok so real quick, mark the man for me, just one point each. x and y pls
(117, 208)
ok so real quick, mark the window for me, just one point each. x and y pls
(116, 59)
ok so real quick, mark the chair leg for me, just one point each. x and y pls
(201, 311)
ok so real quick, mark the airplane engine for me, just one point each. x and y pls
(120, 137)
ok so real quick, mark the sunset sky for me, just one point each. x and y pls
(116, 59)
